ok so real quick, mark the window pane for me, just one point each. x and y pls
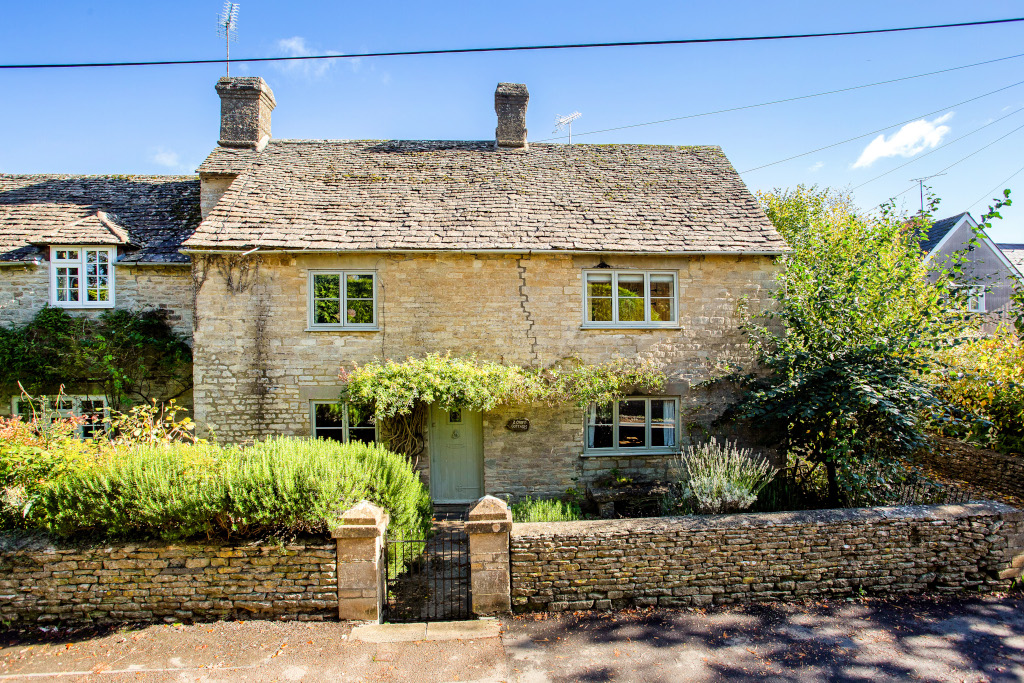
(361, 418)
(632, 423)
(599, 297)
(362, 434)
(603, 414)
(327, 311)
(328, 415)
(631, 297)
(600, 310)
(663, 310)
(359, 286)
(326, 286)
(663, 423)
(599, 436)
(662, 286)
(360, 312)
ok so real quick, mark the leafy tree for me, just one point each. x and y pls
(845, 352)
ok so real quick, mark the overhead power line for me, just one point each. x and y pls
(788, 99)
(522, 48)
(885, 128)
(1001, 184)
(922, 156)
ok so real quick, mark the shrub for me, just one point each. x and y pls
(553, 510)
(280, 487)
(723, 478)
(985, 380)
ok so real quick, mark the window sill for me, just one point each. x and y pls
(629, 452)
(342, 329)
(630, 327)
(82, 307)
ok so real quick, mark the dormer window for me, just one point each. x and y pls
(82, 276)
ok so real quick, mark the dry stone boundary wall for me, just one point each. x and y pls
(148, 582)
(681, 561)
(998, 472)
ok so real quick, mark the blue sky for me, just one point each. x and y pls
(165, 119)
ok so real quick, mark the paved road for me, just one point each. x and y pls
(975, 639)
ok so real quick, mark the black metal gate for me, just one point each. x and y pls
(428, 578)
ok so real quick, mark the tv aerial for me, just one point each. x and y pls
(227, 28)
(566, 122)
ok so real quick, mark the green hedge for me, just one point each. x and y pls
(280, 488)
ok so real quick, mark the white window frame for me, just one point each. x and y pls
(976, 299)
(344, 324)
(345, 421)
(589, 417)
(614, 322)
(80, 263)
(49, 410)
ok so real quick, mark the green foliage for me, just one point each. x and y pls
(985, 380)
(720, 477)
(280, 487)
(551, 510)
(845, 351)
(392, 388)
(133, 355)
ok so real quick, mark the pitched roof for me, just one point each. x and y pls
(938, 230)
(439, 195)
(154, 213)
(97, 228)
(1015, 254)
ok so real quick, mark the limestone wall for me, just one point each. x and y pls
(677, 561)
(258, 366)
(147, 582)
(24, 291)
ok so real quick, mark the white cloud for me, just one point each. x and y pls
(310, 68)
(816, 166)
(166, 157)
(911, 139)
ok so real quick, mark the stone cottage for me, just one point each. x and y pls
(314, 255)
(289, 260)
(89, 244)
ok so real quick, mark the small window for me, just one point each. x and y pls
(635, 424)
(342, 422)
(45, 408)
(630, 298)
(342, 299)
(82, 277)
(976, 299)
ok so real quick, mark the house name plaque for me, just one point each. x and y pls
(518, 424)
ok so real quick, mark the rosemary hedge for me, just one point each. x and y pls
(279, 488)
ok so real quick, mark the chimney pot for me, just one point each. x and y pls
(245, 106)
(510, 101)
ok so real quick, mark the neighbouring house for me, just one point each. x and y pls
(1014, 253)
(315, 255)
(89, 244)
(985, 270)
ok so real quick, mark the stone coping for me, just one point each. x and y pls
(626, 527)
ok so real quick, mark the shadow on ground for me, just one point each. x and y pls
(939, 639)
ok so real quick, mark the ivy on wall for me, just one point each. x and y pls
(398, 392)
(133, 356)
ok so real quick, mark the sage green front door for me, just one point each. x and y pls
(456, 455)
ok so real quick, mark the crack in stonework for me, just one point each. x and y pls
(524, 299)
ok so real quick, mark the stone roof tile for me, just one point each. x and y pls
(369, 195)
(154, 213)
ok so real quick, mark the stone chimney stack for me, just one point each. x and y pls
(510, 100)
(245, 106)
